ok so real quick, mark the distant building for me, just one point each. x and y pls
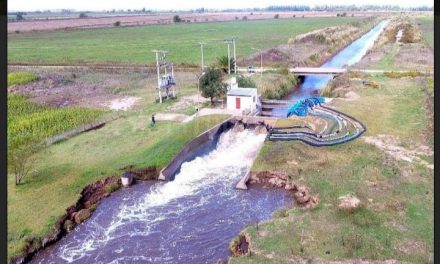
(243, 99)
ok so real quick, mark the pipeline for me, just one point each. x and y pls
(326, 138)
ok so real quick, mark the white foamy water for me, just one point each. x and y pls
(232, 157)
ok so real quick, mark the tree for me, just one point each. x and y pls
(117, 23)
(82, 15)
(19, 16)
(177, 19)
(276, 16)
(222, 62)
(22, 164)
(211, 84)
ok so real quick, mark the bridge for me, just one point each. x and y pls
(317, 71)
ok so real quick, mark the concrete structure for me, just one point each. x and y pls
(127, 179)
(207, 141)
(244, 99)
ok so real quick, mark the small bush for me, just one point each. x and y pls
(393, 74)
(276, 16)
(314, 57)
(117, 24)
(244, 18)
(111, 187)
(280, 213)
(21, 78)
(245, 82)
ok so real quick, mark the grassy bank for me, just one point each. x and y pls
(65, 168)
(134, 45)
(426, 25)
(395, 220)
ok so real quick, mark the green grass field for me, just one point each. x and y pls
(135, 44)
(427, 28)
(396, 224)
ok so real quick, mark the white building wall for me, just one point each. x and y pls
(246, 102)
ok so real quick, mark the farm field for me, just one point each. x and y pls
(134, 45)
(426, 25)
(60, 21)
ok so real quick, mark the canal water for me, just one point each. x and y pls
(188, 220)
(350, 55)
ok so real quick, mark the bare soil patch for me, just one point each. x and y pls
(392, 146)
(309, 49)
(61, 90)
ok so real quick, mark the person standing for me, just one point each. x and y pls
(153, 120)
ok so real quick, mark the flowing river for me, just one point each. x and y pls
(192, 218)
(188, 220)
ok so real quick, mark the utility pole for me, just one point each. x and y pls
(201, 48)
(160, 62)
(261, 61)
(235, 56)
(229, 41)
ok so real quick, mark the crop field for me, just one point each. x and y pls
(426, 25)
(134, 45)
(29, 122)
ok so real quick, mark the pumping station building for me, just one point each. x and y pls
(242, 99)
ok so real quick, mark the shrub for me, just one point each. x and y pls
(21, 78)
(244, 18)
(276, 16)
(117, 24)
(82, 15)
(245, 82)
(394, 74)
(111, 187)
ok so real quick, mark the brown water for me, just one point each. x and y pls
(188, 220)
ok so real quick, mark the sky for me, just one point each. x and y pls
(95, 5)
